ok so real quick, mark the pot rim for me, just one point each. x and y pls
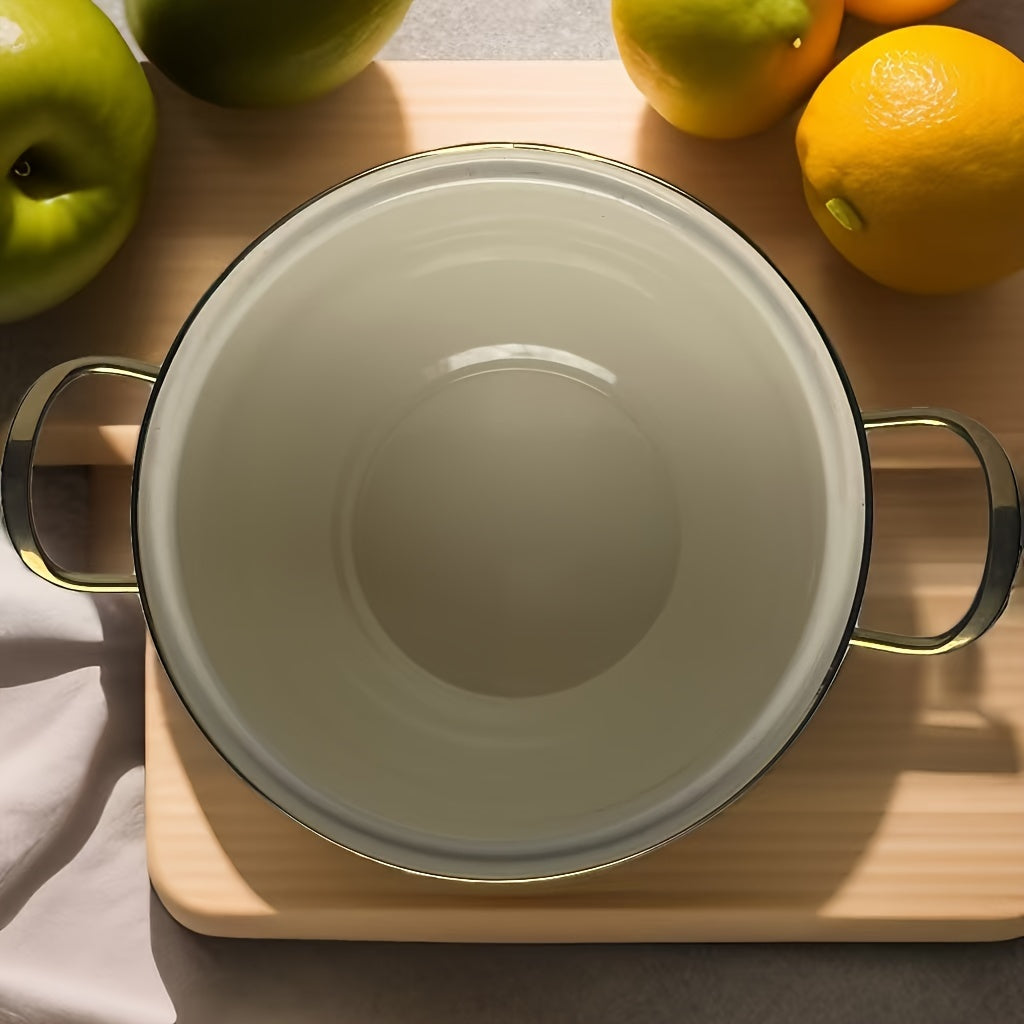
(856, 415)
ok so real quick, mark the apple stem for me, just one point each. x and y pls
(22, 169)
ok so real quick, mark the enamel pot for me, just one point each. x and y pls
(502, 513)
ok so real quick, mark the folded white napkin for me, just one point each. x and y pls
(74, 894)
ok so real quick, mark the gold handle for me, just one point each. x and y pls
(19, 458)
(1004, 535)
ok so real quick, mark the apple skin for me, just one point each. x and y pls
(262, 53)
(76, 113)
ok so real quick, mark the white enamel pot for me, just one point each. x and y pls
(502, 513)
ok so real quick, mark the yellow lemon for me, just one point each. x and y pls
(725, 68)
(912, 152)
(896, 12)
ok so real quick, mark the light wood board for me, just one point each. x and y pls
(898, 814)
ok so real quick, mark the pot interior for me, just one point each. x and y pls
(501, 513)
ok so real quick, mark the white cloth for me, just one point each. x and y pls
(72, 857)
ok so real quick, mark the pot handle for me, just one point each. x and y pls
(18, 460)
(1004, 535)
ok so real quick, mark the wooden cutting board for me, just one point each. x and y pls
(898, 814)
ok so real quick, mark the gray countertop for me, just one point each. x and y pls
(757, 983)
(489, 30)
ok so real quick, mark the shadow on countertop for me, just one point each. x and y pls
(267, 982)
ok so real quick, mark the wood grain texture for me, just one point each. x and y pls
(898, 814)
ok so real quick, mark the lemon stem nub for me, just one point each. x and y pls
(845, 214)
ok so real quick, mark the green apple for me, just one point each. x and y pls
(77, 127)
(262, 53)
